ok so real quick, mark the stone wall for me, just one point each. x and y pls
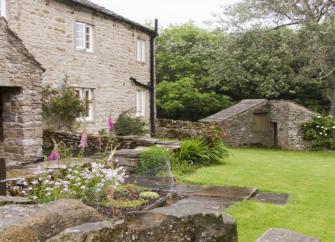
(290, 117)
(256, 126)
(20, 94)
(96, 143)
(242, 130)
(47, 29)
(178, 129)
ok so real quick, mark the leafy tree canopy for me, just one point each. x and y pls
(182, 100)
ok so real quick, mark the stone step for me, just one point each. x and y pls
(284, 235)
(242, 193)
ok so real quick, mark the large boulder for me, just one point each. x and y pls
(38, 223)
(170, 224)
(104, 231)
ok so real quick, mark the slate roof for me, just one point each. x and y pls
(100, 9)
(234, 110)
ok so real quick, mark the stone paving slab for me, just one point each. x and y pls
(274, 198)
(284, 235)
(196, 204)
(216, 191)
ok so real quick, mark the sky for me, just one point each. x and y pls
(166, 11)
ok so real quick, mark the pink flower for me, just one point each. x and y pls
(54, 155)
(83, 140)
(110, 123)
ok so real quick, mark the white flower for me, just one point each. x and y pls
(98, 190)
(34, 197)
(82, 187)
(35, 182)
(318, 116)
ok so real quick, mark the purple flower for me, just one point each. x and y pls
(83, 140)
(54, 155)
(110, 123)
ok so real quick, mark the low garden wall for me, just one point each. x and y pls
(178, 129)
(96, 143)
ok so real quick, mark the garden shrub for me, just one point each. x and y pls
(89, 183)
(194, 152)
(321, 131)
(128, 125)
(153, 160)
(217, 151)
(61, 107)
(200, 152)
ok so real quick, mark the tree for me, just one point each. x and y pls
(182, 100)
(315, 17)
(184, 56)
(184, 51)
(266, 63)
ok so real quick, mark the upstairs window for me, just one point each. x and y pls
(141, 50)
(140, 103)
(84, 37)
(86, 96)
(3, 8)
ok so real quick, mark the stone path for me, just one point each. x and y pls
(274, 198)
(239, 193)
(284, 235)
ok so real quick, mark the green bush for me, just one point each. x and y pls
(62, 107)
(218, 151)
(153, 160)
(199, 152)
(194, 152)
(321, 131)
(128, 125)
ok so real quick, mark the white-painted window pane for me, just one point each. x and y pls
(80, 33)
(3, 10)
(138, 103)
(143, 103)
(143, 51)
(88, 37)
(138, 48)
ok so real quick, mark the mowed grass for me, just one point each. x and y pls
(309, 178)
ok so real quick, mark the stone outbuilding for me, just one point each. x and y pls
(20, 101)
(261, 122)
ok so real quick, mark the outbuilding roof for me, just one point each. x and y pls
(236, 109)
(100, 9)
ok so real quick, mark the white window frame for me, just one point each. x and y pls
(3, 8)
(140, 103)
(86, 37)
(141, 50)
(89, 104)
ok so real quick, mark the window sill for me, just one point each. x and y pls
(85, 51)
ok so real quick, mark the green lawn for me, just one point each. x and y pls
(309, 178)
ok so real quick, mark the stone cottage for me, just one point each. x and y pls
(261, 122)
(20, 101)
(109, 59)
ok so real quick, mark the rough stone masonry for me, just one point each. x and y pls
(47, 29)
(20, 101)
